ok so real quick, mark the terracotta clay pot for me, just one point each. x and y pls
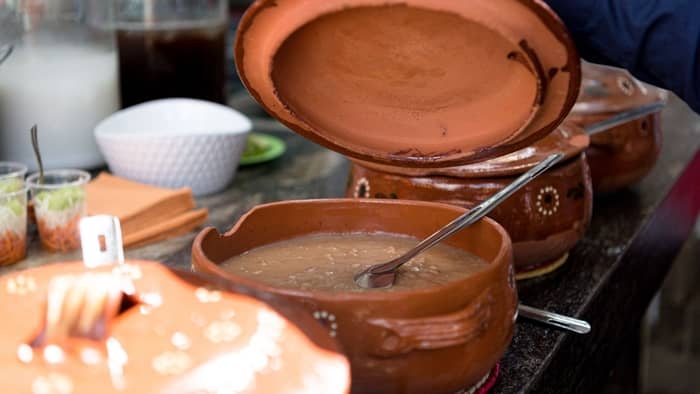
(621, 155)
(418, 83)
(545, 219)
(439, 339)
(142, 328)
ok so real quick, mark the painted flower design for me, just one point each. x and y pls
(220, 331)
(547, 201)
(171, 363)
(207, 296)
(53, 383)
(362, 188)
(20, 285)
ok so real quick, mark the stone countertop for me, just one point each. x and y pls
(609, 278)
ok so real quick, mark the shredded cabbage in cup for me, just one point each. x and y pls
(13, 213)
(56, 208)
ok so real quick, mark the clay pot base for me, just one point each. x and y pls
(486, 384)
(542, 269)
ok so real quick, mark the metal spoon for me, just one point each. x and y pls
(554, 319)
(624, 117)
(37, 153)
(383, 275)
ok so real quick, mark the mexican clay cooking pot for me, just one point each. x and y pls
(622, 155)
(438, 339)
(545, 219)
(139, 327)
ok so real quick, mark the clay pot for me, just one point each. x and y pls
(438, 340)
(418, 83)
(170, 332)
(621, 155)
(545, 219)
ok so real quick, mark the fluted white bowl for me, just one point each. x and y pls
(175, 143)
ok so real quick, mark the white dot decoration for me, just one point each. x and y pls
(327, 319)
(180, 340)
(53, 354)
(25, 353)
(547, 202)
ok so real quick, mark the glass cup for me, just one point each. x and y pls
(59, 204)
(171, 48)
(13, 217)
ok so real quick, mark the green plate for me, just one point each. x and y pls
(262, 148)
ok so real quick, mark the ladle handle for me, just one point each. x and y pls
(474, 214)
(624, 117)
(554, 319)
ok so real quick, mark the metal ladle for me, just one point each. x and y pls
(383, 275)
(624, 117)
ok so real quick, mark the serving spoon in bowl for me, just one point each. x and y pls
(383, 275)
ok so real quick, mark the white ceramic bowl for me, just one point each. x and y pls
(175, 143)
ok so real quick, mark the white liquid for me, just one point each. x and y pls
(64, 89)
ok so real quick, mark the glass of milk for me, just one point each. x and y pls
(61, 75)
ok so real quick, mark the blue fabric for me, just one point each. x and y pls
(656, 40)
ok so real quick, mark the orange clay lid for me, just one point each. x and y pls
(417, 83)
(606, 90)
(141, 328)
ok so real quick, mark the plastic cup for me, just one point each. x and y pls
(13, 224)
(59, 204)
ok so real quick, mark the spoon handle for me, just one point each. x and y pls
(624, 117)
(473, 215)
(554, 319)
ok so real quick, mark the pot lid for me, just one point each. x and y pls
(142, 328)
(607, 89)
(568, 139)
(418, 83)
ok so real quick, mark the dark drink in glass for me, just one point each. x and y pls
(172, 62)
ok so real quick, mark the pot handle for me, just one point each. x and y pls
(401, 336)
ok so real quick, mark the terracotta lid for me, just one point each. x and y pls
(142, 328)
(419, 83)
(568, 139)
(606, 90)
